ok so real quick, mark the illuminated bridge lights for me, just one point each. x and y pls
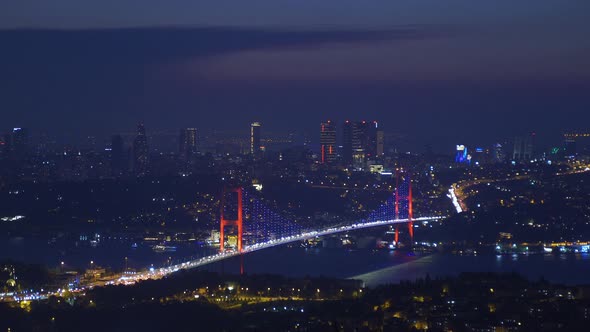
(267, 229)
(268, 244)
(455, 200)
(263, 224)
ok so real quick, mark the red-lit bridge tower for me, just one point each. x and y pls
(408, 199)
(238, 222)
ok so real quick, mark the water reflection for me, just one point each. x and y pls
(373, 266)
(562, 268)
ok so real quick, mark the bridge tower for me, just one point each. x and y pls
(396, 205)
(410, 212)
(410, 207)
(238, 222)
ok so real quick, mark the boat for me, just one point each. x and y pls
(163, 248)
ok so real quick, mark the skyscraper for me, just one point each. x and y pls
(498, 155)
(360, 141)
(19, 143)
(570, 146)
(461, 154)
(140, 152)
(327, 142)
(118, 156)
(370, 139)
(350, 141)
(380, 143)
(255, 139)
(523, 148)
(188, 143)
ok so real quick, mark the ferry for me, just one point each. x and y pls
(163, 248)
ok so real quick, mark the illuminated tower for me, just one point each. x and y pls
(404, 203)
(20, 143)
(523, 148)
(360, 141)
(461, 155)
(498, 154)
(255, 139)
(237, 221)
(188, 143)
(327, 142)
(140, 152)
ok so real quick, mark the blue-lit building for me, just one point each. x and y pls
(462, 156)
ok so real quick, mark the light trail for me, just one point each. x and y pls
(455, 200)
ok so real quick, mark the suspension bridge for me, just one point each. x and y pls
(258, 226)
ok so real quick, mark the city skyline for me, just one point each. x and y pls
(473, 69)
(171, 139)
(264, 165)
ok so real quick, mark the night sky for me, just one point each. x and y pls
(439, 71)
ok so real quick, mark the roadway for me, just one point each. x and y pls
(164, 271)
(157, 273)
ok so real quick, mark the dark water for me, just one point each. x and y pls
(383, 267)
(374, 267)
(300, 262)
(107, 253)
(572, 269)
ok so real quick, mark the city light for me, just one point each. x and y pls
(455, 200)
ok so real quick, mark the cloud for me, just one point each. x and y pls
(145, 45)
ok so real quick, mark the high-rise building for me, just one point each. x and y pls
(347, 141)
(480, 156)
(328, 142)
(19, 143)
(523, 148)
(461, 154)
(188, 143)
(140, 152)
(570, 146)
(255, 148)
(576, 143)
(380, 143)
(118, 156)
(370, 139)
(498, 155)
(359, 141)
(351, 143)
